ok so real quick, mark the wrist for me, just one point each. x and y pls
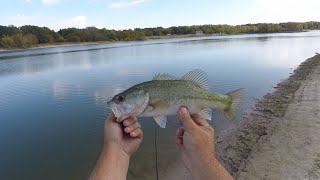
(113, 163)
(115, 150)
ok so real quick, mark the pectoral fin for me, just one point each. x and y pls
(206, 113)
(158, 105)
(161, 121)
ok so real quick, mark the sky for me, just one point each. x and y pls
(124, 14)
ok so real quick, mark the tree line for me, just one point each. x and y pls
(28, 35)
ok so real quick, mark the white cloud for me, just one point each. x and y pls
(28, 1)
(49, 2)
(286, 10)
(48, 21)
(21, 19)
(123, 4)
(77, 22)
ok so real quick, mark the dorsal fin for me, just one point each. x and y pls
(164, 77)
(198, 77)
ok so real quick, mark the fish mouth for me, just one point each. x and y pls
(114, 109)
(109, 103)
(117, 112)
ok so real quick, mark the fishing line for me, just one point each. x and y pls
(156, 149)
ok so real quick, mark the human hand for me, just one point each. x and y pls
(125, 138)
(120, 142)
(196, 142)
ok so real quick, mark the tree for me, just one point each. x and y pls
(29, 40)
(28, 35)
(73, 38)
(7, 42)
(8, 30)
(18, 40)
(44, 34)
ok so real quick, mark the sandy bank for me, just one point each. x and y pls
(280, 139)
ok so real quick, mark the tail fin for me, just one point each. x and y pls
(232, 110)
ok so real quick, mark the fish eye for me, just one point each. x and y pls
(120, 98)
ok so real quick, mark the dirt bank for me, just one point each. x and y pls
(280, 139)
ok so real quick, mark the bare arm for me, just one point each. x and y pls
(196, 142)
(119, 145)
(112, 164)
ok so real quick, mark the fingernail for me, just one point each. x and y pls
(133, 134)
(127, 129)
(183, 110)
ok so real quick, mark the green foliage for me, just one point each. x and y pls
(7, 42)
(44, 34)
(58, 38)
(28, 35)
(73, 37)
(8, 30)
(228, 29)
(19, 41)
(30, 40)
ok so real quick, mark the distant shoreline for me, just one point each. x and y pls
(57, 45)
(54, 45)
(68, 44)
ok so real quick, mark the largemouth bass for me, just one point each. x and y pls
(165, 94)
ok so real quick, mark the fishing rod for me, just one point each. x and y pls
(156, 149)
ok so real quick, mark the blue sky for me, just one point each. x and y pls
(123, 14)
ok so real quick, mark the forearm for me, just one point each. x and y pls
(219, 172)
(209, 168)
(112, 164)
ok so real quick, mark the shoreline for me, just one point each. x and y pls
(6, 54)
(6, 57)
(56, 45)
(235, 147)
(67, 44)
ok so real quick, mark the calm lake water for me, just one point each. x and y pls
(52, 107)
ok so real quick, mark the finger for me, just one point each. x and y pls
(129, 121)
(179, 122)
(199, 120)
(122, 118)
(137, 133)
(179, 136)
(132, 127)
(180, 132)
(179, 142)
(111, 118)
(186, 119)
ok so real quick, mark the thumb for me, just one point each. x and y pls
(186, 119)
(111, 118)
